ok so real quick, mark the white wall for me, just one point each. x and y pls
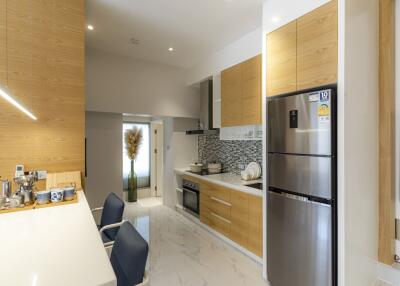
(358, 140)
(103, 156)
(179, 151)
(242, 49)
(123, 85)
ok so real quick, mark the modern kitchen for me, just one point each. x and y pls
(216, 142)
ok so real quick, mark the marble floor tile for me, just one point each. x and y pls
(184, 254)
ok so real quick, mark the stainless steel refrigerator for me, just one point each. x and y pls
(301, 200)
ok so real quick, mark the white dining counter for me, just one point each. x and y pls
(55, 246)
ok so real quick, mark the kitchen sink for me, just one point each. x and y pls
(256, 186)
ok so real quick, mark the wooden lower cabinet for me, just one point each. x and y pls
(240, 218)
(236, 215)
(255, 225)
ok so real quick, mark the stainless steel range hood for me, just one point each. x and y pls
(206, 110)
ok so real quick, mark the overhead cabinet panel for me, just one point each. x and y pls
(251, 91)
(303, 54)
(317, 52)
(231, 96)
(241, 93)
(281, 60)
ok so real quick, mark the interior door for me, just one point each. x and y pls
(299, 241)
(157, 159)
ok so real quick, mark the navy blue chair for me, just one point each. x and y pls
(129, 256)
(111, 218)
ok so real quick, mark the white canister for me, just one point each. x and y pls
(57, 195)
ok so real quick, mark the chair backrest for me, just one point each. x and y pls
(113, 210)
(129, 256)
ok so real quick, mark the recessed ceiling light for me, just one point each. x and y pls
(275, 19)
(170, 49)
(90, 27)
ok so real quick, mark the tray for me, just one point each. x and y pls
(36, 206)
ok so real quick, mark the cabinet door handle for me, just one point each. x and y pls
(220, 217)
(221, 201)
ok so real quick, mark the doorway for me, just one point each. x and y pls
(157, 168)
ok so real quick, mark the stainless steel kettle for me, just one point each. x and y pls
(5, 188)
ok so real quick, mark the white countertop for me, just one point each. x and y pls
(228, 180)
(53, 246)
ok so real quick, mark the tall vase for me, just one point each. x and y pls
(132, 184)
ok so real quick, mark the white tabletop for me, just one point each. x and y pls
(53, 246)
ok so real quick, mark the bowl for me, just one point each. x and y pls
(56, 195)
(42, 197)
(69, 193)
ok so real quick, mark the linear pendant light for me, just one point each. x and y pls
(4, 92)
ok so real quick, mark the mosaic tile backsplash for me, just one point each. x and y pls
(232, 154)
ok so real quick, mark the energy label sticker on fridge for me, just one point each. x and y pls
(324, 113)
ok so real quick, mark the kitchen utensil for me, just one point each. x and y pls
(196, 167)
(5, 189)
(214, 168)
(42, 197)
(57, 195)
(69, 193)
(15, 201)
(3, 201)
(26, 184)
(26, 196)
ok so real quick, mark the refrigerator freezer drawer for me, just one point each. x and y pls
(307, 175)
(300, 124)
(299, 242)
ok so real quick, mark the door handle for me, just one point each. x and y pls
(221, 201)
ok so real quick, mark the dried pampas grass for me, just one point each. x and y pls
(133, 140)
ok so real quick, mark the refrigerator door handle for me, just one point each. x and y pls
(293, 197)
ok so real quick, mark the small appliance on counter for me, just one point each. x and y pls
(5, 189)
(26, 185)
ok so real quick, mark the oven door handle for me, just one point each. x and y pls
(190, 191)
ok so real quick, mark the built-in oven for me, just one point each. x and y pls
(191, 197)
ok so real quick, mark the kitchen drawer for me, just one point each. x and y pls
(220, 207)
(220, 224)
(221, 193)
(240, 218)
(205, 203)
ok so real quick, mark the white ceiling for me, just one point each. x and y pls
(194, 28)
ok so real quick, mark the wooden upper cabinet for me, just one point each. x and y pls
(231, 96)
(241, 93)
(317, 42)
(281, 60)
(251, 91)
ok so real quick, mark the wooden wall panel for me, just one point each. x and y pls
(386, 131)
(45, 58)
